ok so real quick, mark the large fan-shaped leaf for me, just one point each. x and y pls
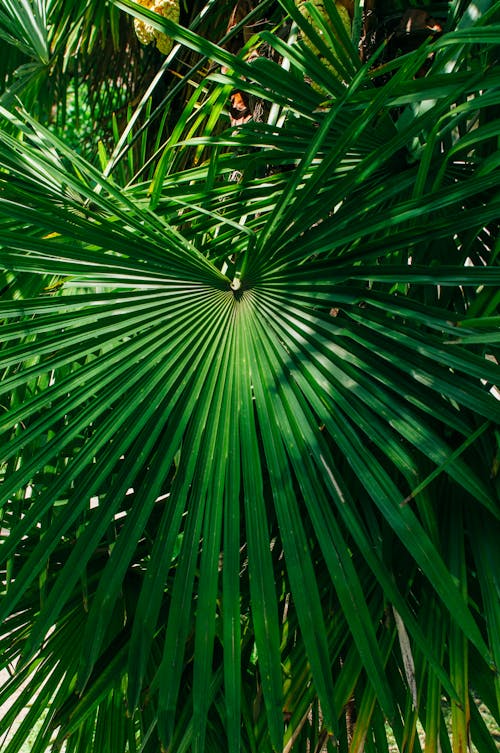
(238, 415)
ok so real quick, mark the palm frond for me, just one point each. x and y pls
(249, 428)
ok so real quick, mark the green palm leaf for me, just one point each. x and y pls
(238, 416)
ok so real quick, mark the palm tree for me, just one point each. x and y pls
(249, 415)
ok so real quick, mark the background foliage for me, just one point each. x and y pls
(248, 406)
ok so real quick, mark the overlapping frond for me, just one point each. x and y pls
(249, 426)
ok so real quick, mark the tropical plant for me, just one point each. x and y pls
(249, 427)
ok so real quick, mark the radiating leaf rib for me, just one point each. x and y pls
(144, 350)
(151, 594)
(204, 500)
(212, 559)
(348, 384)
(294, 423)
(400, 517)
(108, 389)
(231, 617)
(297, 557)
(179, 617)
(262, 586)
(126, 411)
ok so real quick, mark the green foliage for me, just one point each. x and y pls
(248, 406)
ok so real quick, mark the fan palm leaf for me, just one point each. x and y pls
(248, 427)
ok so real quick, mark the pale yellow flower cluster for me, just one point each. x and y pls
(146, 33)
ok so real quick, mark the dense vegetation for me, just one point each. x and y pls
(250, 428)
